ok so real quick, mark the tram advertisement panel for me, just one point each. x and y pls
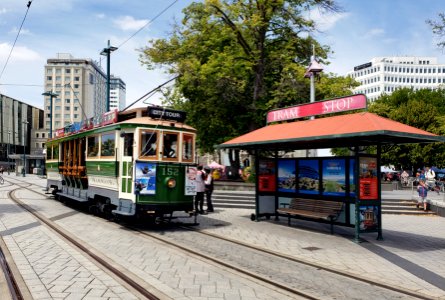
(286, 175)
(145, 178)
(308, 176)
(190, 178)
(368, 182)
(266, 176)
(334, 176)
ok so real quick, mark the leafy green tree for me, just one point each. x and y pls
(423, 109)
(238, 59)
(438, 28)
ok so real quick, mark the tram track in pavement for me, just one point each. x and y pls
(260, 276)
(115, 270)
(11, 282)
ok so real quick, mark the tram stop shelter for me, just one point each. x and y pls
(305, 187)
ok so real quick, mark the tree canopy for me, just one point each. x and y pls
(424, 109)
(236, 60)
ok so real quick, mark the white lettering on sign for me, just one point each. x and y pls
(338, 105)
(285, 114)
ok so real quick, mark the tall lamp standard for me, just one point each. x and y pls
(25, 123)
(311, 72)
(107, 52)
(8, 150)
(51, 95)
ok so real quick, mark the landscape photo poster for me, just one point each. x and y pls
(286, 175)
(308, 176)
(368, 183)
(266, 176)
(334, 177)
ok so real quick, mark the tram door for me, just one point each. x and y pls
(126, 167)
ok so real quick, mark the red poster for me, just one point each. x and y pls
(368, 183)
(266, 176)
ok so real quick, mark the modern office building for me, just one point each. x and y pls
(81, 89)
(22, 136)
(117, 93)
(386, 74)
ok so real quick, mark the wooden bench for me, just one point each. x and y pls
(313, 209)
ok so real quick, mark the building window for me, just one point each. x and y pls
(67, 71)
(49, 78)
(43, 135)
(76, 78)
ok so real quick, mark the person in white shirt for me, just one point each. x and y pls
(200, 189)
(430, 177)
(209, 189)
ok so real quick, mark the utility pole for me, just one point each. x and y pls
(107, 52)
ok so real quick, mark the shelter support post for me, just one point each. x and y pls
(357, 192)
(379, 178)
(257, 200)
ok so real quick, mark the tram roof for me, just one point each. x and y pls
(358, 129)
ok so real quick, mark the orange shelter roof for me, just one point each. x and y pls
(358, 129)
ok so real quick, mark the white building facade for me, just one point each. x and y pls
(387, 74)
(81, 88)
(118, 93)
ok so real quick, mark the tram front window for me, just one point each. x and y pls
(149, 144)
(170, 143)
(187, 147)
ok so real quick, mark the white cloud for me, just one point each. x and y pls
(3, 11)
(18, 54)
(374, 32)
(24, 31)
(129, 23)
(100, 16)
(325, 21)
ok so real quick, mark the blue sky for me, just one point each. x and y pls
(366, 28)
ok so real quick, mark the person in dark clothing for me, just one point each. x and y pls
(209, 189)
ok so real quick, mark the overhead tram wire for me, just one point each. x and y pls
(152, 91)
(16, 38)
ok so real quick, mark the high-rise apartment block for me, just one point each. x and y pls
(80, 85)
(117, 93)
(386, 74)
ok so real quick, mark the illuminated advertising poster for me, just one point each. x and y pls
(334, 175)
(352, 177)
(190, 180)
(286, 176)
(308, 176)
(368, 178)
(266, 176)
(145, 178)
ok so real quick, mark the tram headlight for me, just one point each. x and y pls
(171, 182)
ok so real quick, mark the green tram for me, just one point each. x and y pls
(134, 163)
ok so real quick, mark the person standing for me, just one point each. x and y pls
(209, 190)
(430, 177)
(404, 177)
(422, 189)
(200, 189)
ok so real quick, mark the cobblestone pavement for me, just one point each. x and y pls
(410, 256)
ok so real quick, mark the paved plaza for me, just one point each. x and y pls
(411, 256)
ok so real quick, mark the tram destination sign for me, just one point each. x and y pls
(166, 114)
(318, 108)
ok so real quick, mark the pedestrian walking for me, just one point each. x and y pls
(209, 189)
(200, 189)
(430, 177)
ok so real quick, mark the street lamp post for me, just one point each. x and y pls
(107, 52)
(8, 150)
(51, 95)
(312, 71)
(25, 123)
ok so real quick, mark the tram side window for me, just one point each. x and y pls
(55, 152)
(187, 147)
(107, 145)
(49, 153)
(128, 144)
(93, 146)
(149, 144)
(170, 148)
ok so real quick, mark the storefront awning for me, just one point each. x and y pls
(359, 129)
